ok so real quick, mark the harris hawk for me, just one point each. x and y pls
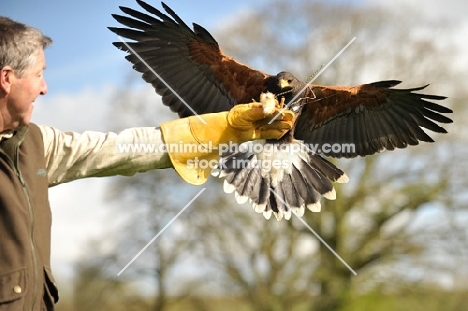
(191, 69)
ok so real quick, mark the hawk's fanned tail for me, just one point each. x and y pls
(278, 178)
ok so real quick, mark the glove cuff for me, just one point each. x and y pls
(188, 150)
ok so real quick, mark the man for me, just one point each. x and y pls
(33, 158)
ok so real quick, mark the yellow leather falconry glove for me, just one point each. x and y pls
(189, 138)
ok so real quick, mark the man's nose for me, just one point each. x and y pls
(44, 88)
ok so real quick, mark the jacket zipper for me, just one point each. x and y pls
(31, 240)
(31, 222)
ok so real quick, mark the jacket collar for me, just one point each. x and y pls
(6, 134)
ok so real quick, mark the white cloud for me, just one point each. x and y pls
(79, 215)
(78, 208)
(451, 13)
(452, 10)
(88, 109)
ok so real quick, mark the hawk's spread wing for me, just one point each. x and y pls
(373, 117)
(189, 61)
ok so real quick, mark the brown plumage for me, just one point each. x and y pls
(372, 117)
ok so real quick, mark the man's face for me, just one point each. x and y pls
(25, 90)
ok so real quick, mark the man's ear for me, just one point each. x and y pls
(6, 79)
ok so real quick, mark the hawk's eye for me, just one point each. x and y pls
(289, 80)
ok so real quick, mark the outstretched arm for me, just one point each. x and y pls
(71, 155)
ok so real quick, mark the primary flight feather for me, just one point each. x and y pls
(370, 117)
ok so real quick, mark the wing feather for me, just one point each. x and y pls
(179, 56)
(373, 117)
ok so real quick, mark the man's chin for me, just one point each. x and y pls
(25, 121)
(27, 118)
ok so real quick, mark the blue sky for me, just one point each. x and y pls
(82, 53)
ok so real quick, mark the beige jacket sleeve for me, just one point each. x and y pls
(71, 155)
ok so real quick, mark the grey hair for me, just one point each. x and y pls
(19, 45)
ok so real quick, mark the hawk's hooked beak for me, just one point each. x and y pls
(283, 84)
